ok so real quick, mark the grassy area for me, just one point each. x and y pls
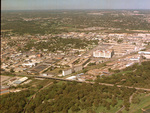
(96, 66)
(147, 107)
(11, 75)
(60, 82)
(144, 102)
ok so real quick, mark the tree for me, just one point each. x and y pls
(120, 41)
(108, 106)
(75, 109)
(114, 102)
(60, 71)
(12, 70)
(96, 103)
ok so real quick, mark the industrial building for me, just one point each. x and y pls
(124, 49)
(103, 53)
(39, 69)
(19, 81)
(71, 70)
(66, 72)
(77, 68)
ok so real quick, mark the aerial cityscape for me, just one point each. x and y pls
(75, 58)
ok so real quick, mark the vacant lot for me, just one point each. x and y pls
(4, 78)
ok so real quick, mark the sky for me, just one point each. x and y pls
(73, 4)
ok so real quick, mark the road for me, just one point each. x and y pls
(120, 109)
(35, 96)
(106, 84)
(130, 100)
(131, 97)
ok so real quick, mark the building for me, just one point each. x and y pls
(147, 56)
(19, 69)
(72, 78)
(103, 53)
(77, 68)
(19, 81)
(130, 64)
(47, 74)
(66, 72)
(144, 52)
(28, 64)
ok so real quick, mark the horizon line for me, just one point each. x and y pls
(64, 9)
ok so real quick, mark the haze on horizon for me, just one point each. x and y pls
(74, 4)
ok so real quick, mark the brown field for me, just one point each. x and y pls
(5, 30)
(4, 78)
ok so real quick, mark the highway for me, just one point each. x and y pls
(105, 84)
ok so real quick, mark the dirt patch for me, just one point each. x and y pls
(4, 78)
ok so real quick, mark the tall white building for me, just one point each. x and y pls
(103, 53)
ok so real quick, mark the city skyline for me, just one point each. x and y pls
(74, 4)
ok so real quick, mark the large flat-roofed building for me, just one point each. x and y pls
(103, 53)
(126, 48)
(144, 52)
(72, 70)
(66, 72)
(19, 81)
